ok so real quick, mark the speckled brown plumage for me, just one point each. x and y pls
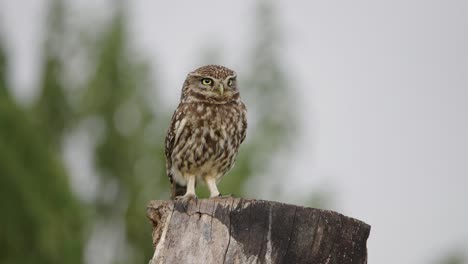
(206, 130)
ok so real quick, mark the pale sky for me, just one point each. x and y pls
(382, 88)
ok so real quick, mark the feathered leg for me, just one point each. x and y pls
(211, 184)
(190, 190)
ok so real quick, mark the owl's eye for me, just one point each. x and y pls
(230, 81)
(206, 81)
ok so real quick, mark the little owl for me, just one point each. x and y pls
(206, 131)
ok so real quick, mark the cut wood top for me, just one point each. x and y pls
(237, 230)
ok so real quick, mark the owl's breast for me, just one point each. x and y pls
(220, 128)
(211, 137)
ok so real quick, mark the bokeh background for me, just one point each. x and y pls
(355, 106)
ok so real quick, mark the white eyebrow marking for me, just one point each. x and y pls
(231, 76)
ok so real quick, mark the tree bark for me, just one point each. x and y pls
(236, 230)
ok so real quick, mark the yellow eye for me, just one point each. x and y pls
(206, 81)
(230, 81)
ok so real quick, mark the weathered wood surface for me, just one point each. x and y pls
(235, 230)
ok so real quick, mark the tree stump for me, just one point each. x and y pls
(236, 230)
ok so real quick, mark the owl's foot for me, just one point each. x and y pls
(185, 200)
(226, 196)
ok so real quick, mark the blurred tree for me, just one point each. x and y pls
(52, 109)
(3, 72)
(129, 155)
(41, 221)
(455, 256)
(269, 101)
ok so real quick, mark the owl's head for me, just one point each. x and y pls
(211, 83)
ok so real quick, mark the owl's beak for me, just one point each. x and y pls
(221, 89)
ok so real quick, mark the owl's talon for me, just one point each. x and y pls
(226, 196)
(185, 199)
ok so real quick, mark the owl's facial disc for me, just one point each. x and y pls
(211, 88)
(214, 86)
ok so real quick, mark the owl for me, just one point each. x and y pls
(206, 131)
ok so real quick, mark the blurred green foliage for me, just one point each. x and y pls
(52, 111)
(41, 221)
(454, 256)
(130, 153)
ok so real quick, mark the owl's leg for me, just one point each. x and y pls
(211, 183)
(190, 193)
(190, 188)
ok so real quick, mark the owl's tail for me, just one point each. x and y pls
(177, 190)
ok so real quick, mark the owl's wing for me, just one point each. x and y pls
(244, 122)
(169, 144)
(178, 122)
(176, 127)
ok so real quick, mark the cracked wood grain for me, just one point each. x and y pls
(236, 230)
(229, 238)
